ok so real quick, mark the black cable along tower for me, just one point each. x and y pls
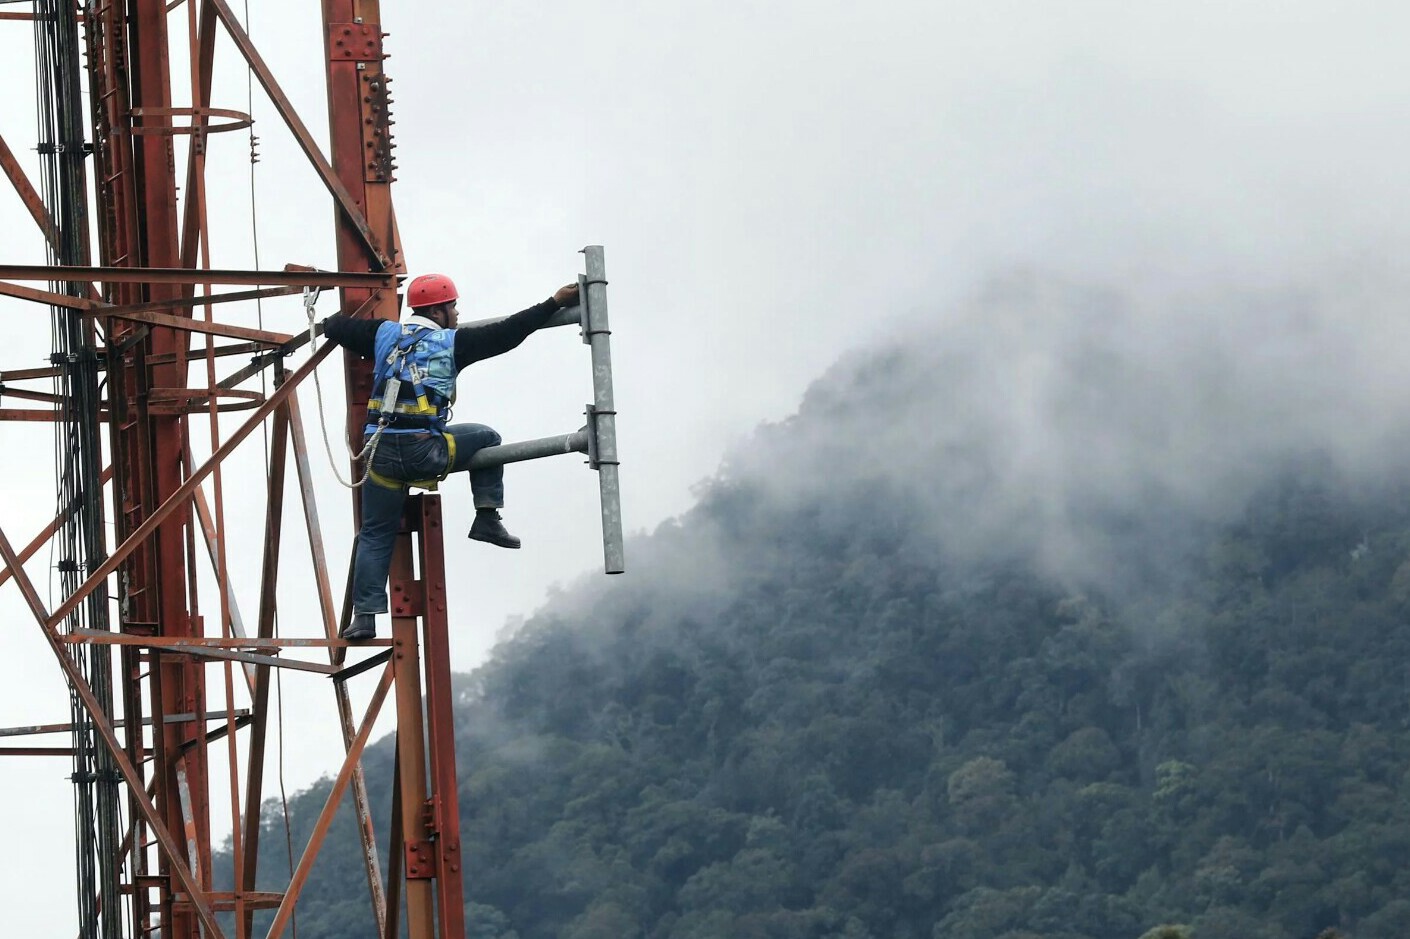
(80, 539)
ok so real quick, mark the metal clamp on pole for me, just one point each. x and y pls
(602, 413)
(590, 428)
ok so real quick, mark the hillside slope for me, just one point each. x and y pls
(967, 692)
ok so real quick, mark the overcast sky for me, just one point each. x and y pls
(775, 183)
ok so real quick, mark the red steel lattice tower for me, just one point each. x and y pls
(155, 678)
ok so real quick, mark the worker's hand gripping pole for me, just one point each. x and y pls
(602, 413)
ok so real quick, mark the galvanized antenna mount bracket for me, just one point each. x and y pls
(598, 438)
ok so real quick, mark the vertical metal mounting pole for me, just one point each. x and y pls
(602, 413)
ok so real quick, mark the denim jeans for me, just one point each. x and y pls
(403, 458)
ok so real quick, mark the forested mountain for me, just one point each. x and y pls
(959, 655)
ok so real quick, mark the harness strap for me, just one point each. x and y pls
(396, 364)
(450, 453)
(386, 482)
(422, 406)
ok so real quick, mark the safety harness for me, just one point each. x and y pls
(387, 412)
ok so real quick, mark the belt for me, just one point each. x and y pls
(406, 421)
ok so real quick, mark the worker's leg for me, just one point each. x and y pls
(486, 485)
(398, 459)
(381, 517)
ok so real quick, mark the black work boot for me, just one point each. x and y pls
(489, 527)
(363, 626)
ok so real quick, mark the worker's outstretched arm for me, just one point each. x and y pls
(473, 343)
(356, 335)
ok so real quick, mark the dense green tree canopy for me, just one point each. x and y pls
(814, 711)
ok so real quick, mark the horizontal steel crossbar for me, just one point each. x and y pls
(182, 275)
(146, 722)
(104, 637)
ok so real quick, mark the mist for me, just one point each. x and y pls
(1082, 424)
(1098, 432)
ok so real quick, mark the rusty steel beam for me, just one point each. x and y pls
(325, 817)
(440, 718)
(120, 202)
(34, 415)
(225, 901)
(265, 643)
(164, 580)
(242, 720)
(23, 394)
(79, 685)
(46, 296)
(211, 536)
(193, 220)
(34, 730)
(25, 189)
(362, 802)
(359, 141)
(309, 501)
(254, 658)
(184, 302)
(181, 276)
(395, 856)
(416, 827)
(178, 498)
(188, 324)
(182, 494)
(342, 675)
(36, 751)
(236, 348)
(30, 374)
(350, 208)
(360, 145)
(264, 360)
(31, 198)
(152, 245)
(37, 729)
(248, 866)
(245, 348)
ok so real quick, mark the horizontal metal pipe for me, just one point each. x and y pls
(530, 450)
(568, 316)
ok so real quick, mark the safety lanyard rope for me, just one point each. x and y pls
(369, 449)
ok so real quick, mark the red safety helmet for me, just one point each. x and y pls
(429, 290)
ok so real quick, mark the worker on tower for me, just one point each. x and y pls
(409, 438)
